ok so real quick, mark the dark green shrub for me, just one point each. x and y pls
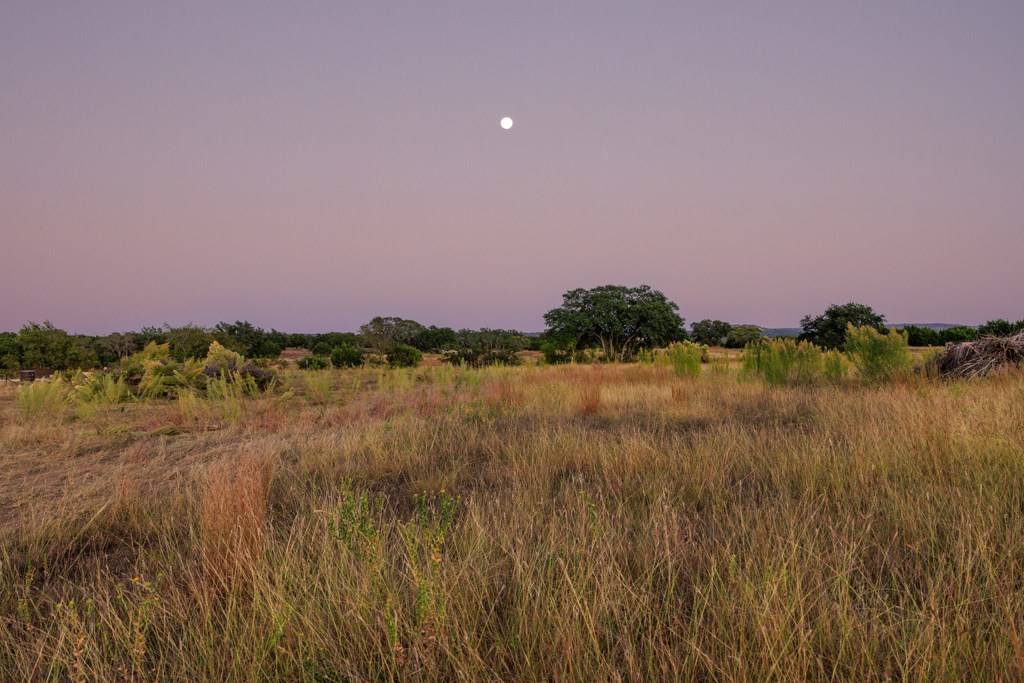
(346, 356)
(478, 348)
(555, 354)
(323, 344)
(404, 356)
(315, 363)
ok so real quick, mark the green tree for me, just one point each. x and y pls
(384, 332)
(45, 346)
(996, 328)
(10, 351)
(189, 341)
(741, 335)
(435, 339)
(299, 340)
(960, 333)
(710, 332)
(829, 329)
(116, 346)
(922, 336)
(157, 335)
(619, 320)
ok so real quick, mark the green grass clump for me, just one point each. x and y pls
(43, 397)
(100, 388)
(783, 361)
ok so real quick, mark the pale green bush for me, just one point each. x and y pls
(877, 355)
(834, 367)
(43, 397)
(685, 357)
(783, 361)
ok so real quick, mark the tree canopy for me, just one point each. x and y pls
(828, 330)
(619, 320)
(741, 335)
(384, 332)
(710, 332)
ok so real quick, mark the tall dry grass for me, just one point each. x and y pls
(561, 523)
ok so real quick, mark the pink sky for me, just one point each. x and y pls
(309, 166)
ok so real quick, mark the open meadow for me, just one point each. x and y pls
(573, 522)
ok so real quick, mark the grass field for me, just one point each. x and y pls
(536, 523)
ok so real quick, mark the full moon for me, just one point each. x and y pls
(507, 122)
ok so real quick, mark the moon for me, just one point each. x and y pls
(507, 122)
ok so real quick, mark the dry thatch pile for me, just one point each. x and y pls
(980, 357)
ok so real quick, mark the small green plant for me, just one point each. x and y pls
(228, 394)
(191, 406)
(425, 541)
(100, 388)
(319, 387)
(355, 521)
(220, 359)
(877, 355)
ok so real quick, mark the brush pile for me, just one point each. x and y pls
(980, 358)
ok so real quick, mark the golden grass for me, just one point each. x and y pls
(535, 523)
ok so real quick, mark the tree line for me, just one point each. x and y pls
(611, 322)
(401, 341)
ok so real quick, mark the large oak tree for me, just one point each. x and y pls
(618, 320)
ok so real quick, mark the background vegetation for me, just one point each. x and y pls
(608, 323)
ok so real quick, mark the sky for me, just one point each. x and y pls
(309, 165)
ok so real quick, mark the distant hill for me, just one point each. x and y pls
(780, 331)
